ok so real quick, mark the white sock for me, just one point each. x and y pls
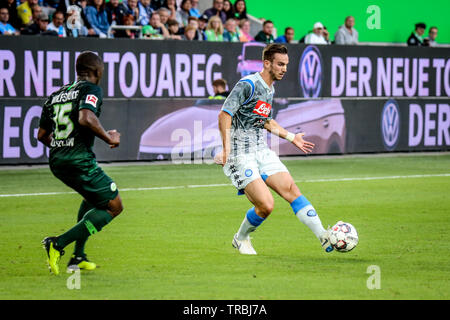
(309, 217)
(245, 229)
(250, 223)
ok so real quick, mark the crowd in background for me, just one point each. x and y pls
(165, 19)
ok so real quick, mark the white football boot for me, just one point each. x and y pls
(325, 241)
(244, 246)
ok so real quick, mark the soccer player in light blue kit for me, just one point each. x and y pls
(247, 160)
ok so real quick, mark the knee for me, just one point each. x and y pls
(265, 209)
(115, 208)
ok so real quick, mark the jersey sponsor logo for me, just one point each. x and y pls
(310, 72)
(262, 108)
(390, 124)
(92, 100)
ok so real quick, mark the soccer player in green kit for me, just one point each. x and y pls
(68, 126)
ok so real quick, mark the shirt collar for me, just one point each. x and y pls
(264, 83)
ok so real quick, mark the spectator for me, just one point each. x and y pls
(199, 34)
(216, 10)
(244, 25)
(97, 17)
(157, 4)
(158, 27)
(81, 4)
(174, 29)
(346, 34)
(231, 34)
(132, 6)
(415, 39)
(214, 30)
(319, 35)
(202, 22)
(228, 9)
(6, 29)
(49, 6)
(266, 34)
(194, 10)
(183, 13)
(128, 20)
(74, 23)
(431, 39)
(288, 36)
(57, 24)
(220, 89)
(145, 11)
(24, 12)
(39, 27)
(189, 33)
(36, 11)
(172, 6)
(11, 5)
(149, 33)
(164, 15)
(115, 11)
(240, 10)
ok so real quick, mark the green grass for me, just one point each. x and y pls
(176, 243)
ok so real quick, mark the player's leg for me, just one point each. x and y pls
(283, 184)
(80, 243)
(261, 197)
(99, 190)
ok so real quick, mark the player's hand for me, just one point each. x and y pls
(303, 145)
(115, 138)
(221, 158)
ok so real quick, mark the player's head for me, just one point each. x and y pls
(219, 86)
(90, 65)
(275, 59)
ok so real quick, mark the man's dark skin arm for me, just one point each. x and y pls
(88, 119)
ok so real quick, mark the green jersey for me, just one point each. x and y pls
(72, 143)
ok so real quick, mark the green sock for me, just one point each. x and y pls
(93, 221)
(80, 243)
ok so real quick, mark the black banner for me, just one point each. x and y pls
(36, 66)
(187, 130)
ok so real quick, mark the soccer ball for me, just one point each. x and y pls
(343, 236)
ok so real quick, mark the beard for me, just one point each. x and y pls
(274, 76)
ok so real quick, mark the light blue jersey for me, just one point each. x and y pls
(250, 105)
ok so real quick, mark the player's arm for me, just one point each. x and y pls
(297, 139)
(45, 136)
(224, 128)
(88, 119)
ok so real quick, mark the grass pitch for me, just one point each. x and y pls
(175, 242)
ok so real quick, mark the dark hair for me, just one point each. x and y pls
(242, 15)
(420, 25)
(267, 22)
(273, 48)
(88, 62)
(219, 83)
(92, 3)
(287, 29)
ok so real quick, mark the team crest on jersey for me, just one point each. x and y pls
(262, 108)
(92, 100)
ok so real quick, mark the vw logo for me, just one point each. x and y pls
(390, 124)
(310, 72)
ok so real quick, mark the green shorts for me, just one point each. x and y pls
(89, 181)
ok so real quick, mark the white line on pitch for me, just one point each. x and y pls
(227, 185)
